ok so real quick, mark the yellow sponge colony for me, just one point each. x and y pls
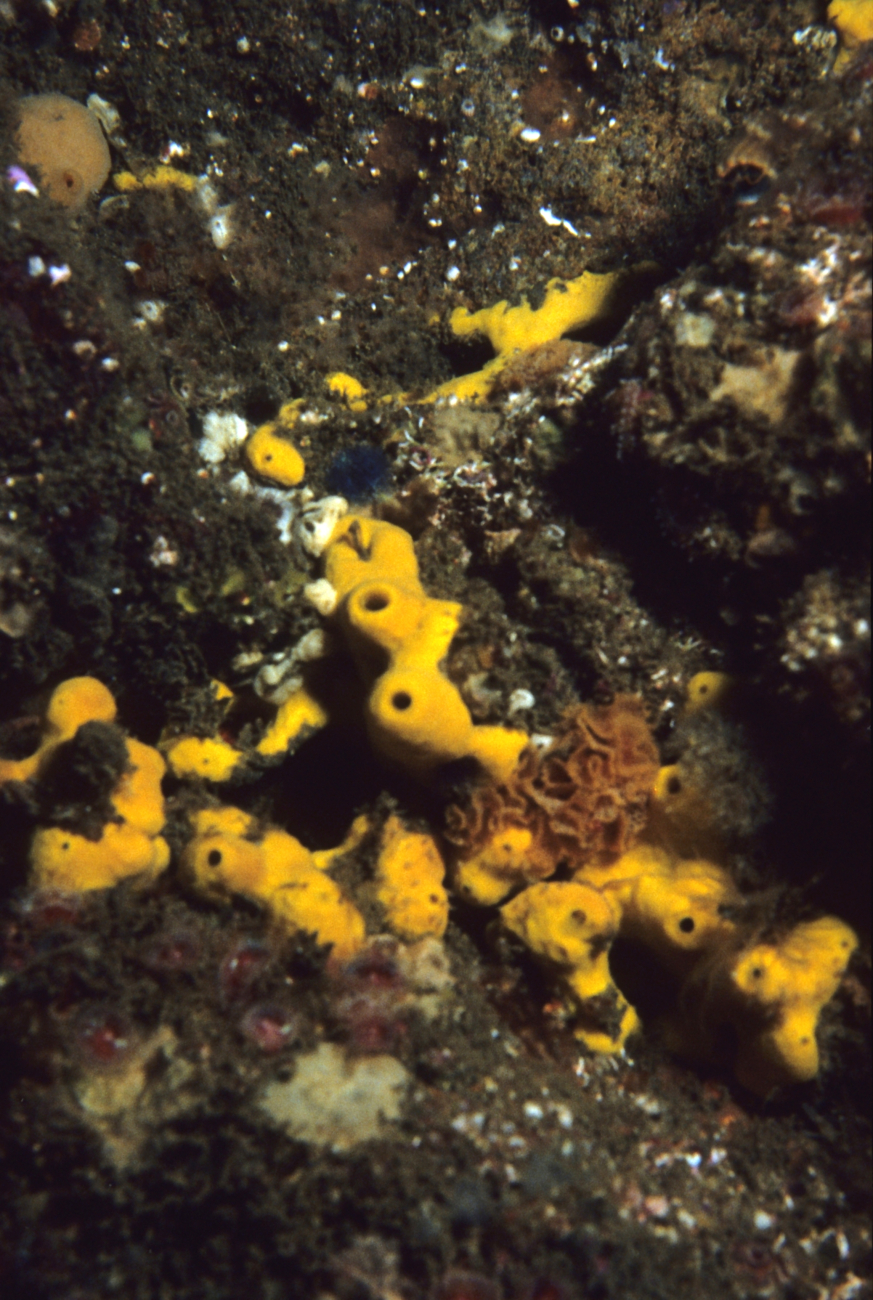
(409, 879)
(415, 716)
(567, 305)
(688, 913)
(225, 857)
(571, 926)
(783, 987)
(130, 846)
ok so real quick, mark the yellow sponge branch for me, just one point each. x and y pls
(399, 636)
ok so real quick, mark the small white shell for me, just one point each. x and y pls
(317, 522)
(322, 596)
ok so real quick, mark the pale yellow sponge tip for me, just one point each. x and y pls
(707, 690)
(351, 390)
(409, 883)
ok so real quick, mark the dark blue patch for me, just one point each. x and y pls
(359, 473)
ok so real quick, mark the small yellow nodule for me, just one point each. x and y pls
(350, 389)
(206, 757)
(160, 178)
(707, 690)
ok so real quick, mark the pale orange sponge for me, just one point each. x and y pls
(65, 142)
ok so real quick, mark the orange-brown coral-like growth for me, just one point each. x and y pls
(583, 799)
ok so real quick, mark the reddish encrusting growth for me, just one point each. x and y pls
(584, 797)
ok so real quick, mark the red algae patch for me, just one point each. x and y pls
(65, 142)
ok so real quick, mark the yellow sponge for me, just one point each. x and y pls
(276, 870)
(572, 925)
(273, 457)
(853, 19)
(566, 305)
(208, 757)
(409, 879)
(783, 988)
(679, 911)
(509, 858)
(130, 846)
(415, 716)
(74, 702)
(73, 864)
